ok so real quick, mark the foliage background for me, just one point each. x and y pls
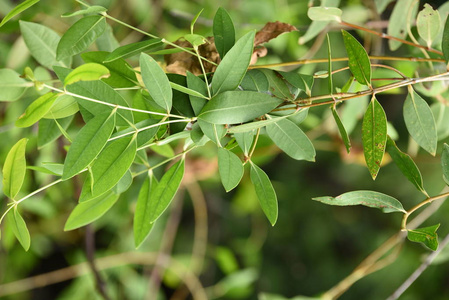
(311, 248)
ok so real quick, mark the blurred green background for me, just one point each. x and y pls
(310, 249)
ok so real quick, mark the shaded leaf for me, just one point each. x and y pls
(317, 26)
(374, 136)
(89, 10)
(165, 191)
(87, 212)
(445, 163)
(272, 30)
(80, 36)
(49, 130)
(245, 140)
(224, 32)
(255, 80)
(36, 110)
(11, 85)
(87, 72)
(142, 225)
(215, 132)
(230, 167)
(406, 164)
(428, 24)
(441, 114)
(133, 49)
(233, 67)
(17, 10)
(359, 62)
(324, 14)
(381, 201)
(426, 235)
(445, 41)
(187, 91)
(88, 143)
(19, 228)
(420, 122)
(265, 193)
(195, 83)
(341, 129)
(291, 139)
(237, 107)
(14, 169)
(397, 25)
(277, 85)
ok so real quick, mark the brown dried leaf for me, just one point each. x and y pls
(272, 30)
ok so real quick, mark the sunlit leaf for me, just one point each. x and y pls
(324, 14)
(64, 106)
(341, 129)
(11, 85)
(87, 72)
(230, 167)
(80, 36)
(359, 62)
(426, 235)
(14, 169)
(36, 110)
(420, 122)
(87, 212)
(374, 136)
(384, 202)
(142, 225)
(133, 49)
(406, 164)
(224, 32)
(19, 228)
(17, 10)
(265, 193)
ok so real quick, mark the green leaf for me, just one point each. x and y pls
(374, 136)
(406, 164)
(245, 140)
(445, 163)
(445, 41)
(428, 24)
(50, 131)
(341, 129)
(224, 32)
(317, 26)
(141, 225)
(324, 14)
(359, 62)
(233, 67)
(265, 193)
(441, 114)
(36, 110)
(255, 80)
(133, 49)
(64, 106)
(381, 201)
(18, 9)
(14, 169)
(420, 122)
(237, 107)
(165, 191)
(195, 83)
(87, 72)
(291, 139)
(253, 125)
(426, 235)
(156, 82)
(302, 82)
(397, 25)
(215, 132)
(11, 85)
(329, 63)
(87, 212)
(42, 43)
(80, 36)
(381, 5)
(277, 85)
(195, 39)
(88, 143)
(124, 183)
(19, 228)
(230, 167)
(95, 9)
(109, 167)
(187, 91)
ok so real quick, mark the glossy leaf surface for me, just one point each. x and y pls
(36, 110)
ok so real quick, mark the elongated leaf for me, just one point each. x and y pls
(445, 163)
(406, 164)
(397, 25)
(374, 136)
(19, 228)
(36, 110)
(253, 125)
(49, 130)
(317, 26)
(445, 41)
(80, 36)
(165, 191)
(277, 85)
(233, 67)
(237, 107)
(64, 106)
(324, 14)
(187, 91)
(17, 10)
(384, 202)
(224, 32)
(265, 192)
(11, 85)
(87, 212)
(230, 167)
(359, 62)
(255, 80)
(124, 183)
(109, 167)
(156, 81)
(341, 129)
(14, 169)
(329, 63)
(428, 24)
(142, 226)
(291, 139)
(42, 43)
(441, 114)
(195, 83)
(245, 140)
(133, 49)
(420, 122)
(90, 10)
(426, 235)
(89, 142)
(87, 72)
(215, 132)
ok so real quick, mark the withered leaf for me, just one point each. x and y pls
(272, 30)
